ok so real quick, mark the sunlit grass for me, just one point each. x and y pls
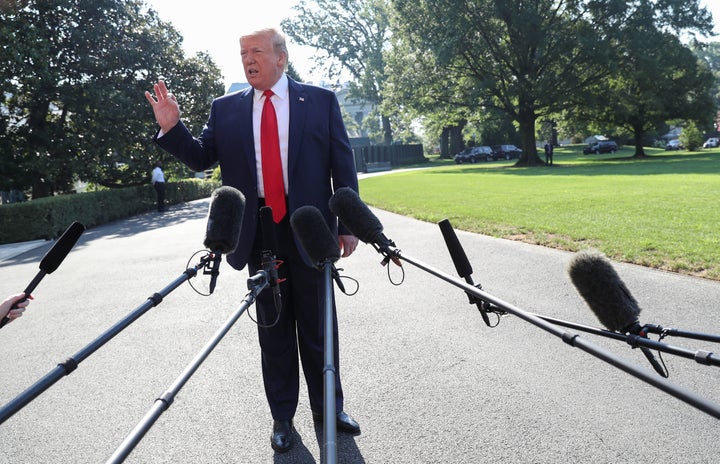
(662, 211)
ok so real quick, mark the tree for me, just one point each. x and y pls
(526, 59)
(353, 34)
(419, 87)
(72, 103)
(710, 54)
(658, 78)
(535, 60)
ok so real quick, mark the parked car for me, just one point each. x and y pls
(484, 152)
(602, 146)
(712, 142)
(674, 144)
(474, 154)
(465, 156)
(506, 151)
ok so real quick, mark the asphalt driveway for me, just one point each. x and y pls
(424, 376)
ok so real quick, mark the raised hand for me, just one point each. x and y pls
(165, 106)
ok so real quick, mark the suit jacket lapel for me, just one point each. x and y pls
(298, 114)
(245, 129)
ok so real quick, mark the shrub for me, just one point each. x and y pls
(47, 218)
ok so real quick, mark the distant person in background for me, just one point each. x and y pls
(8, 313)
(158, 181)
(549, 153)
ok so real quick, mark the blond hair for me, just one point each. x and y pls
(277, 38)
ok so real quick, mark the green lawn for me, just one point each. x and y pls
(662, 211)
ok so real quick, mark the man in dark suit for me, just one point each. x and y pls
(549, 153)
(316, 160)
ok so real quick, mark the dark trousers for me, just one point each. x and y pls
(160, 190)
(299, 330)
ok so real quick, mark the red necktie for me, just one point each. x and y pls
(271, 163)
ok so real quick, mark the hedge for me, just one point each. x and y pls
(47, 218)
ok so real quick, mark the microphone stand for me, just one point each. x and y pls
(572, 339)
(329, 421)
(256, 284)
(638, 341)
(660, 330)
(68, 366)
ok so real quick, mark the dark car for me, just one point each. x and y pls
(474, 154)
(603, 146)
(506, 151)
(484, 152)
(464, 156)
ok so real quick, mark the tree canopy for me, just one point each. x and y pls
(537, 59)
(73, 76)
(353, 36)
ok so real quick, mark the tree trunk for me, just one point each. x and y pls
(527, 119)
(445, 143)
(639, 134)
(456, 140)
(387, 130)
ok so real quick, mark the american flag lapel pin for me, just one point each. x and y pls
(302, 99)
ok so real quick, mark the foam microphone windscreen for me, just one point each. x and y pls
(601, 288)
(225, 216)
(61, 248)
(314, 235)
(355, 215)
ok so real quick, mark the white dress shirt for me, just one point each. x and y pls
(281, 101)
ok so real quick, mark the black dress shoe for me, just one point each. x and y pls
(344, 423)
(282, 436)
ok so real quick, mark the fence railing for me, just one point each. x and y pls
(381, 157)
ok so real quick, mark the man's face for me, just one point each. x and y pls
(263, 67)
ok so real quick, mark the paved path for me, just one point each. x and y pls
(426, 379)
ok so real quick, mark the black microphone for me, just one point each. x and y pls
(607, 296)
(462, 265)
(52, 259)
(356, 216)
(600, 286)
(317, 240)
(227, 205)
(269, 261)
(315, 236)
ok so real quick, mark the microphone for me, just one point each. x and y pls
(317, 240)
(269, 263)
(227, 205)
(600, 286)
(608, 298)
(356, 216)
(52, 259)
(462, 265)
(315, 236)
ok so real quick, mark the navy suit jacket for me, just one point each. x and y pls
(320, 159)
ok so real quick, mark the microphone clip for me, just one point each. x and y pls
(212, 268)
(382, 246)
(636, 331)
(271, 264)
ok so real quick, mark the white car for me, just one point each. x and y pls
(712, 142)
